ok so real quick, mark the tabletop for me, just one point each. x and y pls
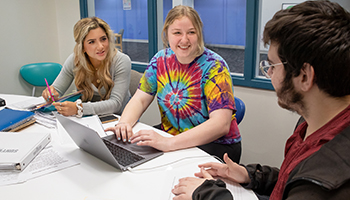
(96, 180)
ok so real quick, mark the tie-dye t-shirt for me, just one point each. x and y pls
(188, 93)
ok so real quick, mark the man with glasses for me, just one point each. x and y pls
(309, 67)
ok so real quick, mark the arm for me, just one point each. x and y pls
(201, 188)
(216, 126)
(63, 80)
(220, 105)
(212, 189)
(132, 112)
(120, 72)
(262, 178)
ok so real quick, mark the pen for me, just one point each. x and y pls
(48, 87)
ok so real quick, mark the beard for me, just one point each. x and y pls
(288, 97)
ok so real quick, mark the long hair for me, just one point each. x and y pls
(184, 11)
(84, 71)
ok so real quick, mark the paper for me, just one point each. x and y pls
(46, 119)
(239, 192)
(92, 122)
(28, 104)
(49, 160)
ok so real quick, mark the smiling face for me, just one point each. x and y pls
(96, 46)
(183, 40)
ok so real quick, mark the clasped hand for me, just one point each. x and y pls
(123, 131)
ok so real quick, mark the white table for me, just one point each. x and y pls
(95, 179)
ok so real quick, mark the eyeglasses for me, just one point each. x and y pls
(265, 66)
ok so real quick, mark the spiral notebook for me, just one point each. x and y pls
(14, 120)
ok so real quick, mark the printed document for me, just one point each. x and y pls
(49, 160)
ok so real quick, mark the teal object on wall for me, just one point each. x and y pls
(35, 73)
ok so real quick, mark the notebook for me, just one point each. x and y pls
(114, 152)
(14, 120)
(17, 150)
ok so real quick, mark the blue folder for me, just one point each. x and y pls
(11, 119)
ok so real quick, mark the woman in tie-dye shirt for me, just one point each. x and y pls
(194, 92)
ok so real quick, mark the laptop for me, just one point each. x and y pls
(114, 152)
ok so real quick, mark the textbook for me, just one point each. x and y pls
(14, 120)
(18, 149)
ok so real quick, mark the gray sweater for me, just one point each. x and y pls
(120, 95)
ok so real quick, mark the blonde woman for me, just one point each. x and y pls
(97, 68)
(193, 88)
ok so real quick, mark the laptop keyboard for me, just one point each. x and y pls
(123, 156)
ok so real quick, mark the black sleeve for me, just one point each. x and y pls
(263, 178)
(302, 189)
(212, 189)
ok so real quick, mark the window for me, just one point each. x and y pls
(231, 28)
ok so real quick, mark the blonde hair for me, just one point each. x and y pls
(84, 71)
(184, 11)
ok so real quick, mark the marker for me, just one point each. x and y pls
(48, 87)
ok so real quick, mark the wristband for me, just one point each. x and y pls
(80, 108)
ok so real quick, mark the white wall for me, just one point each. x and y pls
(270, 7)
(33, 31)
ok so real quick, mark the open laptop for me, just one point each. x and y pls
(114, 152)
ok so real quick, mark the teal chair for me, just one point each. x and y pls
(240, 106)
(35, 73)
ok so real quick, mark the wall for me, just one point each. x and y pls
(41, 30)
(33, 31)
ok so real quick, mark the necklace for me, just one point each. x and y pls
(98, 81)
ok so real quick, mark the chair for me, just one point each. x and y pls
(135, 77)
(240, 106)
(119, 40)
(35, 73)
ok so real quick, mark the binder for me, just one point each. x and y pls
(18, 149)
(14, 120)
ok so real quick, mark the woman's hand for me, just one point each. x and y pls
(230, 170)
(122, 130)
(153, 139)
(47, 96)
(66, 108)
(187, 186)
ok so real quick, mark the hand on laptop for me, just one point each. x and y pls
(153, 139)
(122, 130)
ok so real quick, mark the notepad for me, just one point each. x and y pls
(14, 120)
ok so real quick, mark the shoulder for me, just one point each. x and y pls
(163, 53)
(69, 63)
(120, 61)
(121, 57)
(330, 156)
(211, 55)
(210, 59)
